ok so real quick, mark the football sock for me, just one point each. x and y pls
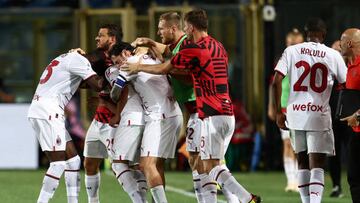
(51, 181)
(197, 186)
(290, 170)
(208, 189)
(125, 176)
(221, 175)
(92, 184)
(316, 187)
(230, 197)
(72, 179)
(303, 181)
(141, 183)
(158, 193)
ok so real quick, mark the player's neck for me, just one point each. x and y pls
(177, 37)
(352, 58)
(199, 35)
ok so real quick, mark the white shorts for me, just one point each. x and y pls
(51, 134)
(313, 141)
(285, 134)
(99, 140)
(215, 137)
(193, 133)
(160, 137)
(127, 141)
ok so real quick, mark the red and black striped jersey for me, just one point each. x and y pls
(207, 61)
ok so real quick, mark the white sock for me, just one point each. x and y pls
(290, 170)
(197, 186)
(158, 193)
(208, 189)
(303, 181)
(316, 185)
(222, 176)
(92, 184)
(51, 181)
(141, 183)
(230, 197)
(125, 176)
(72, 179)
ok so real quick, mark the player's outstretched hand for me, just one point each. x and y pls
(130, 68)
(351, 120)
(78, 50)
(280, 121)
(143, 41)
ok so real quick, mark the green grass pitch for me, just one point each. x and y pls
(23, 186)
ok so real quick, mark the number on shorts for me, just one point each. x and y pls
(189, 133)
(202, 142)
(298, 86)
(49, 69)
(110, 142)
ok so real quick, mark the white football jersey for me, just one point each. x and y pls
(132, 114)
(58, 83)
(312, 68)
(156, 94)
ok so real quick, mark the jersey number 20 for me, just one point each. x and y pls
(49, 69)
(299, 86)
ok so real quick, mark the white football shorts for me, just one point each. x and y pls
(313, 141)
(160, 137)
(99, 140)
(215, 136)
(193, 133)
(51, 134)
(127, 140)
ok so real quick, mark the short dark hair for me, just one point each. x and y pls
(171, 18)
(198, 18)
(315, 25)
(114, 30)
(119, 47)
(97, 59)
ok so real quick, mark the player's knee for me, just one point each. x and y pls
(91, 167)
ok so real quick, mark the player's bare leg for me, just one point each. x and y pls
(52, 175)
(154, 177)
(290, 166)
(125, 176)
(92, 178)
(317, 165)
(303, 176)
(72, 173)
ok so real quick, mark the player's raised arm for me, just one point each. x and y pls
(158, 69)
(115, 120)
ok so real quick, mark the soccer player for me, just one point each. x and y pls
(163, 120)
(206, 60)
(127, 138)
(350, 48)
(311, 67)
(57, 85)
(99, 134)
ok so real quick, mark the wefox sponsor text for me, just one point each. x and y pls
(308, 107)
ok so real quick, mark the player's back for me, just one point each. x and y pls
(312, 68)
(57, 84)
(211, 79)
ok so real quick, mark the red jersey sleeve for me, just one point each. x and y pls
(185, 56)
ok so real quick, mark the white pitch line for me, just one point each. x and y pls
(185, 193)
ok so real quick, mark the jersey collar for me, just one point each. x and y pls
(173, 45)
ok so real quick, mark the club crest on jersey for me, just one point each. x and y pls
(58, 140)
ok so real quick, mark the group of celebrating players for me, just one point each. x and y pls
(138, 117)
